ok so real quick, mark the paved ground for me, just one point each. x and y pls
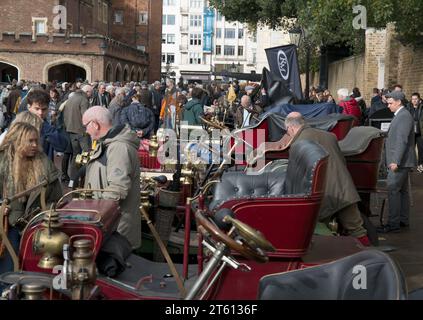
(408, 244)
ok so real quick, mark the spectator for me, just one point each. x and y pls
(400, 158)
(356, 94)
(51, 138)
(139, 118)
(194, 109)
(415, 108)
(101, 97)
(116, 105)
(349, 105)
(378, 102)
(115, 167)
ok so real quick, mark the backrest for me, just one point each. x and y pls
(367, 275)
(304, 158)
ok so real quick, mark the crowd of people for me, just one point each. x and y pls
(109, 120)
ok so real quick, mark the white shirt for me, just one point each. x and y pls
(246, 118)
(396, 112)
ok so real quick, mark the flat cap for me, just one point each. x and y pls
(396, 95)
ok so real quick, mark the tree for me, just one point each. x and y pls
(329, 22)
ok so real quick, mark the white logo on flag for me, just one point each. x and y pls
(283, 65)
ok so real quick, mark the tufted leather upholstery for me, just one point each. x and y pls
(335, 280)
(297, 180)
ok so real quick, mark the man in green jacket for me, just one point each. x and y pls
(114, 166)
(194, 108)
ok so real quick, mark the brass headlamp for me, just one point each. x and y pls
(49, 241)
(83, 158)
(153, 146)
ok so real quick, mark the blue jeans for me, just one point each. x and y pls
(6, 263)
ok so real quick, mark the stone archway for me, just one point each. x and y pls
(118, 73)
(139, 75)
(68, 70)
(8, 72)
(109, 73)
(126, 74)
(133, 75)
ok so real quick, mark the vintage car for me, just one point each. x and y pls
(60, 247)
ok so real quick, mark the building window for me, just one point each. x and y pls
(169, 20)
(119, 16)
(219, 16)
(218, 33)
(170, 58)
(141, 48)
(195, 58)
(230, 33)
(240, 50)
(229, 50)
(169, 2)
(195, 39)
(100, 10)
(218, 50)
(170, 39)
(254, 37)
(196, 3)
(195, 20)
(40, 25)
(240, 33)
(143, 17)
(163, 38)
(254, 56)
(163, 58)
(105, 12)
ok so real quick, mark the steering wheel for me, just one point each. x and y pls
(242, 248)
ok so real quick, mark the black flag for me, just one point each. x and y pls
(277, 91)
(283, 64)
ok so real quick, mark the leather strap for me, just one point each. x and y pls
(173, 270)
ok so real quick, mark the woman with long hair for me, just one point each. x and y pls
(23, 165)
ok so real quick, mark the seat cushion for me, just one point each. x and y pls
(238, 185)
(297, 180)
(304, 156)
(358, 140)
(367, 275)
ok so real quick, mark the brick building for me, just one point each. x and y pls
(112, 40)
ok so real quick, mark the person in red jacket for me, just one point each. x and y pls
(349, 104)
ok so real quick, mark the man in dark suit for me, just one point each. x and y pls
(400, 159)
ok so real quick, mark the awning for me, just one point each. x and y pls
(240, 76)
(195, 76)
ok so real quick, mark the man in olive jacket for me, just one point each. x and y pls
(341, 196)
(114, 166)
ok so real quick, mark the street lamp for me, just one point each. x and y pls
(296, 35)
(167, 69)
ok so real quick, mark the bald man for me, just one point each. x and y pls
(341, 196)
(247, 113)
(114, 166)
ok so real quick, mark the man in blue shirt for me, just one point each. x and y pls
(51, 138)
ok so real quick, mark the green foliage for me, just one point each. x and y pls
(329, 22)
